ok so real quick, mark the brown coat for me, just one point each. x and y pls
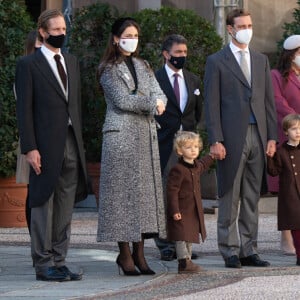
(286, 164)
(184, 196)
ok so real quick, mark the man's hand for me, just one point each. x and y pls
(218, 151)
(271, 148)
(34, 159)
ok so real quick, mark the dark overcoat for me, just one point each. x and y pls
(43, 112)
(171, 120)
(286, 164)
(228, 101)
(184, 196)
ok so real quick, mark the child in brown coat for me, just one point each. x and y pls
(185, 212)
(286, 164)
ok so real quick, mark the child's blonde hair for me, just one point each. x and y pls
(183, 137)
(290, 120)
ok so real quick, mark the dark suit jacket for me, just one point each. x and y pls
(43, 112)
(172, 118)
(228, 102)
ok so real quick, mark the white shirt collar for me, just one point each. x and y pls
(171, 72)
(236, 49)
(48, 53)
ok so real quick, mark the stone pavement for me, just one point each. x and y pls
(102, 281)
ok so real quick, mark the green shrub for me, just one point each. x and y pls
(14, 26)
(157, 24)
(89, 35)
(88, 39)
(290, 28)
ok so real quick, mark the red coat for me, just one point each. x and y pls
(287, 101)
(184, 196)
(286, 164)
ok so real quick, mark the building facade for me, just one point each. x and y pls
(268, 16)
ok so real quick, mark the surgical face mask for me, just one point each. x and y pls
(243, 36)
(129, 45)
(296, 61)
(56, 41)
(177, 62)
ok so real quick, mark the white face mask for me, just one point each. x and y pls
(296, 61)
(129, 45)
(244, 36)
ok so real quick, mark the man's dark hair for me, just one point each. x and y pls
(238, 12)
(172, 39)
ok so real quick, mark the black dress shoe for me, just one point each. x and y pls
(66, 271)
(194, 255)
(52, 274)
(254, 261)
(233, 262)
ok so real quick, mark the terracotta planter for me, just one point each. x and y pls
(12, 203)
(93, 170)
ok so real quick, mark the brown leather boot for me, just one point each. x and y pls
(187, 266)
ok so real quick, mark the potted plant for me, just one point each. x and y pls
(15, 24)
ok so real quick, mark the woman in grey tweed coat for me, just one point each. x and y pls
(131, 202)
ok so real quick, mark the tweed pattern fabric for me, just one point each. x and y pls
(131, 197)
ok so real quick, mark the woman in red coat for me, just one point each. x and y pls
(286, 85)
(286, 164)
(185, 211)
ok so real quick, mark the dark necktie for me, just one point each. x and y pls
(61, 70)
(176, 88)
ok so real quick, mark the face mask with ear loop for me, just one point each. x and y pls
(296, 61)
(243, 36)
(128, 45)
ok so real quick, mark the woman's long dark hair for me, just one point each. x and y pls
(285, 62)
(30, 42)
(112, 53)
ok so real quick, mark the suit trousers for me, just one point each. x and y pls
(238, 208)
(51, 222)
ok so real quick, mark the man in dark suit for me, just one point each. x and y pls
(183, 111)
(241, 123)
(49, 121)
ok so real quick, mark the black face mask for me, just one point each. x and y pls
(177, 62)
(56, 41)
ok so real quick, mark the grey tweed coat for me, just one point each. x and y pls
(131, 197)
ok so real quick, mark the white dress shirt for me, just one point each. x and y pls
(50, 58)
(182, 85)
(236, 52)
(49, 55)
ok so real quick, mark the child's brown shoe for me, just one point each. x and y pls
(186, 266)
